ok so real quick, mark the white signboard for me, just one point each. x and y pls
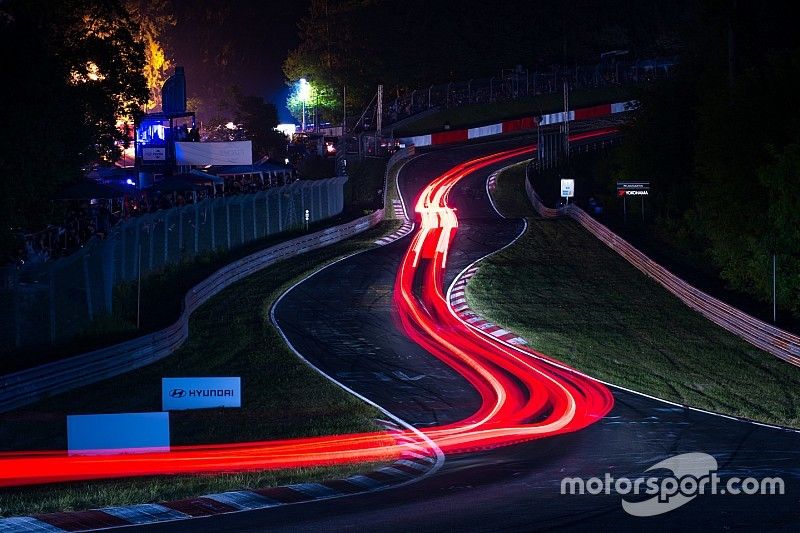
(200, 393)
(117, 433)
(567, 188)
(154, 154)
(214, 153)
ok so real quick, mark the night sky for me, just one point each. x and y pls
(241, 42)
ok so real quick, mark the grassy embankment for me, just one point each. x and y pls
(573, 298)
(478, 114)
(229, 335)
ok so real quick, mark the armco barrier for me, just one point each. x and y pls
(30, 385)
(773, 340)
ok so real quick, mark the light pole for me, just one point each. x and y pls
(304, 94)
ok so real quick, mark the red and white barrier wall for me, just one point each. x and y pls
(519, 124)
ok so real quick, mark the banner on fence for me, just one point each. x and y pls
(214, 153)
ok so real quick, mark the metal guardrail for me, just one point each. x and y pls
(771, 339)
(27, 386)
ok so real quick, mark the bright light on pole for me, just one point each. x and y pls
(304, 93)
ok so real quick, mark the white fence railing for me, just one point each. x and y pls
(27, 386)
(769, 338)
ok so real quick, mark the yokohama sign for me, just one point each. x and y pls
(633, 188)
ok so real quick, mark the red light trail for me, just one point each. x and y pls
(524, 395)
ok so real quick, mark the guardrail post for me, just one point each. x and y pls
(300, 216)
(123, 260)
(52, 297)
(150, 231)
(255, 215)
(87, 286)
(269, 214)
(196, 227)
(280, 208)
(213, 224)
(108, 272)
(241, 218)
(527, 79)
(329, 190)
(166, 235)
(228, 221)
(181, 211)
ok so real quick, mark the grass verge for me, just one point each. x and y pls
(230, 335)
(576, 300)
(478, 114)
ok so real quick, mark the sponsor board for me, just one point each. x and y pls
(154, 154)
(633, 188)
(567, 188)
(117, 433)
(200, 393)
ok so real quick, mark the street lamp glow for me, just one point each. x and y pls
(305, 91)
(304, 94)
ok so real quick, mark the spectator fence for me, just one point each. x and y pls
(55, 301)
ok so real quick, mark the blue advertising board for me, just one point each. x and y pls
(117, 433)
(200, 393)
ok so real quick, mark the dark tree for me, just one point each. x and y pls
(71, 70)
(258, 119)
(416, 43)
(720, 144)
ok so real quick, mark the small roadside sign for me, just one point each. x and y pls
(632, 188)
(567, 188)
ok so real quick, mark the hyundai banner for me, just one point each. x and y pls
(200, 393)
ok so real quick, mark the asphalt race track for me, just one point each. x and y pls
(343, 320)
